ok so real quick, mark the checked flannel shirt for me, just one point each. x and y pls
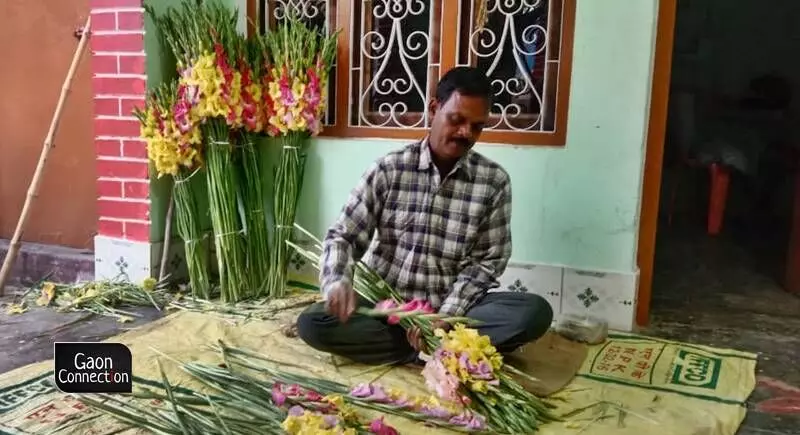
(444, 241)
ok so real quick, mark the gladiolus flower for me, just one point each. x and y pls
(379, 427)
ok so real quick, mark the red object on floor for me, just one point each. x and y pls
(720, 179)
(785, 400)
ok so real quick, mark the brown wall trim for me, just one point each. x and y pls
(654, 153)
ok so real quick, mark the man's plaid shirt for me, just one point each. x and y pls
(447, 241)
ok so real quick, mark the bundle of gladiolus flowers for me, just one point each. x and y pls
(464, 360)
(174, 145)
(298, 63)
(465, 369)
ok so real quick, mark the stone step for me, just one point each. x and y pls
(35, 261)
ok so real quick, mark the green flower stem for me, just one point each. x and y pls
(190, 231)
(258, 255)
(223, 200)
(286, 194)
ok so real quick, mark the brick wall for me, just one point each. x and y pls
(119, 85)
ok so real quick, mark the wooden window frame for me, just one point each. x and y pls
(345, 22)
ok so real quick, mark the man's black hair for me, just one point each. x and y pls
(467, 80)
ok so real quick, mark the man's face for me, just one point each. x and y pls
(456, 125)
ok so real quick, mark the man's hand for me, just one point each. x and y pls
(341, 302)
(417, 341)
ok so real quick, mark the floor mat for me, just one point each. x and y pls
(638, 384)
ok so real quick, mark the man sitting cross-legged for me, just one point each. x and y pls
(433, 220)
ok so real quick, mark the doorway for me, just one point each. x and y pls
(730, 154)
(719, 241)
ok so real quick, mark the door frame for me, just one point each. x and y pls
(654, 156)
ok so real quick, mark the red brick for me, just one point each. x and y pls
(115, 3)
(114, 168)
(104, 21)
(130, 21)
(104, 64)
(112, 189)
(132, 64)
(137, 231)
(135, 190)
(110, 228)
(109, 148)
(116, 127)
(106, 107)
(128, 104)
(123, 209)
(118, 86)
(135, 149)
(126, 43)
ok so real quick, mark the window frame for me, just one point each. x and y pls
(448, 57)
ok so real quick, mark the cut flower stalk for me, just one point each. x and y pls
(192, 235)
(223, 200)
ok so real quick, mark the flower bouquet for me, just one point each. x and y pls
(298, 65)
(466, 368)
(174, 146)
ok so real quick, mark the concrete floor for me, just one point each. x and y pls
(706, 291)
(714, 291)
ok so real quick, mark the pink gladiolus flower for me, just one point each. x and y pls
(371, 392)
(287, 97)
(278, 397)
(181, 113)
(313, 396)
(436, 412)
(331, 421)
(379, 427)
(386, 305)
(470, 420)
(440, 381)
(418, 305)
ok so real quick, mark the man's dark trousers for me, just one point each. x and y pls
(509, 319)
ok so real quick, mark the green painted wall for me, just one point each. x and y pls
(575, 206)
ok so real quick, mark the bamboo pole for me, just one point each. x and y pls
(33, 189)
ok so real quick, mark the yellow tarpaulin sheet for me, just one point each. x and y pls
(659, 387)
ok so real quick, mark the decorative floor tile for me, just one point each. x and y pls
(609, 296)
(544, 281)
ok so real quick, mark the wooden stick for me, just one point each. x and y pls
(33, 189)
(167, 237)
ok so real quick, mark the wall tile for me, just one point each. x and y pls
(122, 259)
(545, 281)
(609, 296)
